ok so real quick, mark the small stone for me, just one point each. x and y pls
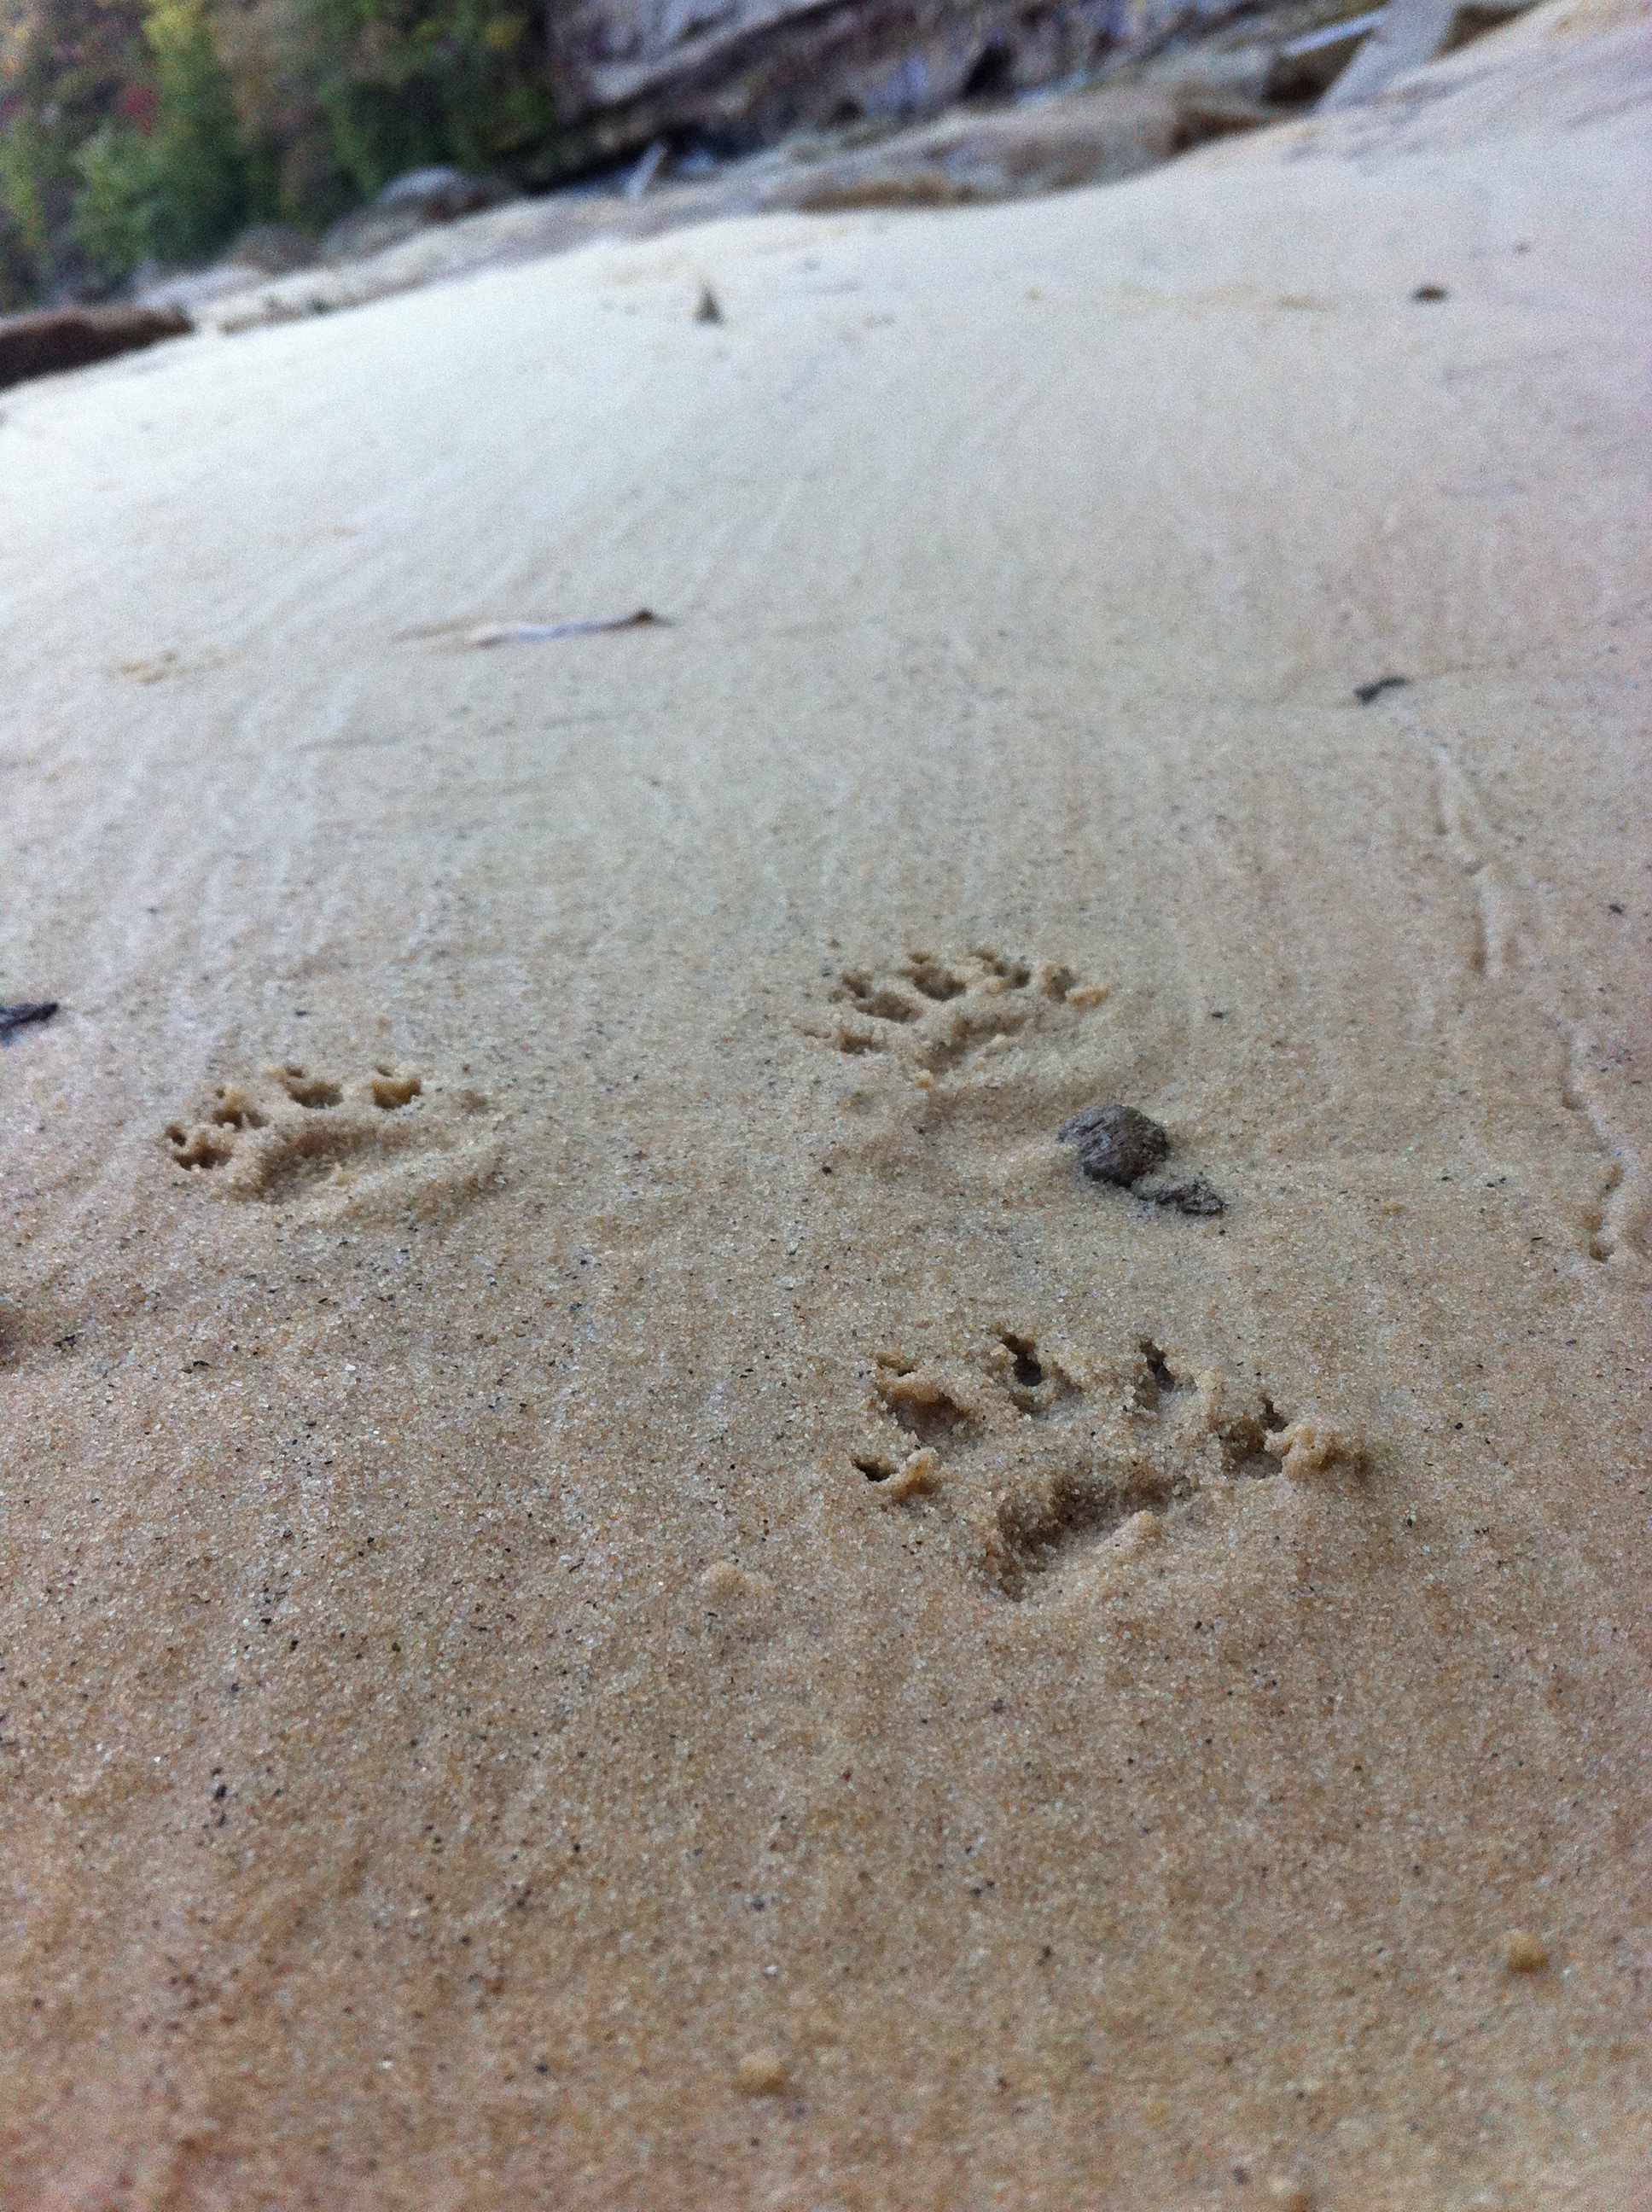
(761, 2073)
(1289, 2194)
(1115, 1143)
(1523, 1953)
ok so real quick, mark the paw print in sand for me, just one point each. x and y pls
(372, 1143)
(1032, 1452)
(936, 1016)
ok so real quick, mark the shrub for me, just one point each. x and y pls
(200, 195)
(113, 213)
(404, 82)
(137, 128)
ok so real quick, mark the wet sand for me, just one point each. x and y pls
(686, 1613)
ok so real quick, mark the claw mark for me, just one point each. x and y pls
(919, 1404)
(1024, 1353)
(306, 1089)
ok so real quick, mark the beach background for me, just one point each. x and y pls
(621, 1586)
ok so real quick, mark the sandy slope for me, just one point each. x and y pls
(461, 1697)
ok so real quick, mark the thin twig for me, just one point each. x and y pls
(545, 632)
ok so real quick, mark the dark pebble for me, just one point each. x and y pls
(1115, 1143)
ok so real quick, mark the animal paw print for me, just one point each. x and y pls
(1031, 1451)
(300, 1134)
(937, 1015)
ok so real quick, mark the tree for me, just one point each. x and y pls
(63, 69)
(133, 129)
(199, 192)
(405, 82)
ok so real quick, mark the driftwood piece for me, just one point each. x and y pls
(56, 338)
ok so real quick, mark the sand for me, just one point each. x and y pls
(686, 1614)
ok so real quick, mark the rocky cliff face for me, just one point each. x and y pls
(737, 73)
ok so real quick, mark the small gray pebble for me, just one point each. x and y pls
(1115, 1143)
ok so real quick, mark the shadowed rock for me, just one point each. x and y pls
(411, 203)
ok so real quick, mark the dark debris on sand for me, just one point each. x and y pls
(1192, 1195)
(24, 1011)
(1119, 1144)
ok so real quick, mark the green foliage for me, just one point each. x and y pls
(200, 192)
(113, 219)
(65, 68)
(20, 183)
(16, 265)
(139, 129)
(21, 223)
(404, 82)
(175, 182)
